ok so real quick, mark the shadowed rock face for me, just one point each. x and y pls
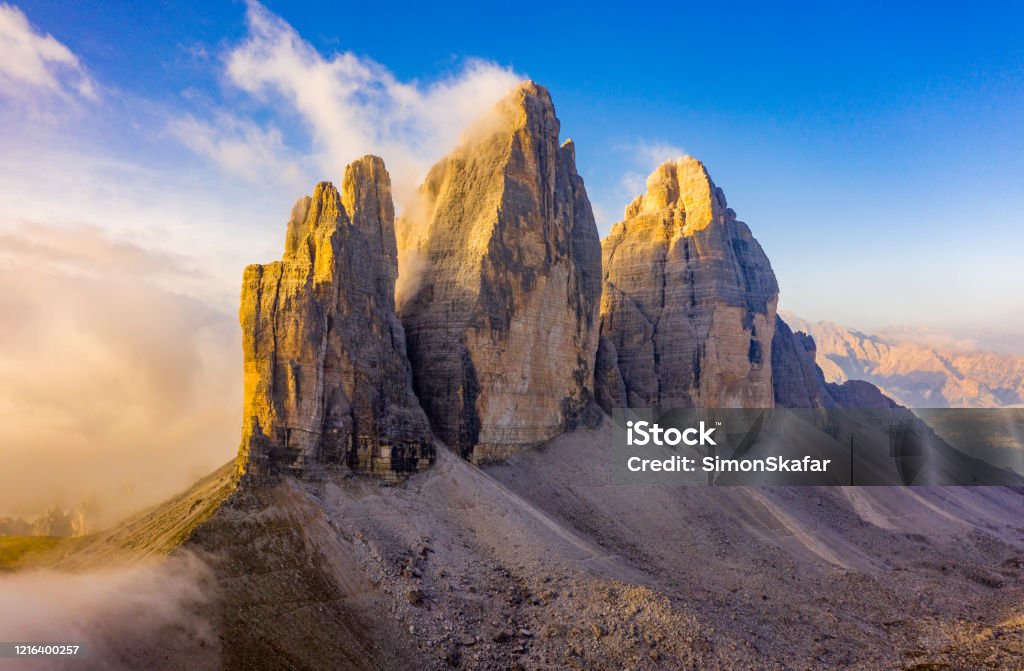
(327, 381)
(503, 325)
(689, 299)
(799, 382)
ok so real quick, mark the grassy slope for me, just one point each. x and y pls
(16, 551)
(154, 532)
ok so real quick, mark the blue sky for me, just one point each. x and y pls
(876, 151)
(149, 151)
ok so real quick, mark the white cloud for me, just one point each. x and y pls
(116, 387)
(119, 339)
(240, 147)
(633, 183)
(349, 105)
(119, 336)
(31, 61)
(118, 613)
(649, 155)
(641, 158)
(645, 156)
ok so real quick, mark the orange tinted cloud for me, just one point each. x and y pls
(112, 385)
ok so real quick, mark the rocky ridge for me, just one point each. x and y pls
(541, 561)
(916, 374)
(798, 381)
(517, 318)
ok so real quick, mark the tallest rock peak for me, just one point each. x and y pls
(502, 326)
(527, 108)
(531, 102)
(529, 92)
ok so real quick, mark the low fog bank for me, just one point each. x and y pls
(128, 618)
(119, 388)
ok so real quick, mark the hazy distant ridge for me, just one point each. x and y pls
(913, 373)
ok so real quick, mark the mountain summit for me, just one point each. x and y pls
(503, 324)
(327, 381)
(536, 559)
(688, 309)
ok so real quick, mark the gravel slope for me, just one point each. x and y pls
(542, 563)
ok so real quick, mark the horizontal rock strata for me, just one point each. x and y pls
(689, 299)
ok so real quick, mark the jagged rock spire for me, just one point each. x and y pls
(327, 381)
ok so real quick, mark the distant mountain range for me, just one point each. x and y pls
(915, 372)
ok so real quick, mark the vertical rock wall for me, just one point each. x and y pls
(503, 322)
(327, 381)
(688, 310)
(799, 382)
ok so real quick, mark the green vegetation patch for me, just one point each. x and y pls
(16, 550)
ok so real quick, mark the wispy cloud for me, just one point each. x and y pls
(649, 155)
(32, 63)
(348, 105)
(632, 183)
(118, 613)
(644, 157)
(241, 147)
(639, 159)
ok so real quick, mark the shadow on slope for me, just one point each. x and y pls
(541, 562)
(850, 577)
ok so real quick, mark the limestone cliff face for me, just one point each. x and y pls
(689, 299)
(503, 323)
(796, 378)
(327, 381)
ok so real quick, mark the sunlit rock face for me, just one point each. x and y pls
(503, 320)
(327, 381)
(689, 299)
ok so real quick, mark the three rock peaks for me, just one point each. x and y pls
(513, 317)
